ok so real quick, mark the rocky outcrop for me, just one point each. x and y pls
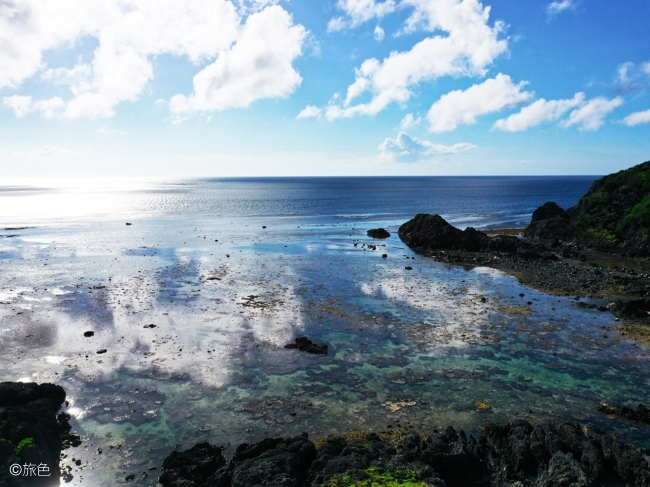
(549, 222)
(614, 214)
(32, 434)
(640, 414)
(516, 453)
(428, 232)
(304, 344)
(378, 233)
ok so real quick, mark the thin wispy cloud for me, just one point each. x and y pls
(560, 6)
(410, 149)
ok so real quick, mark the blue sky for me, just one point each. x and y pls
(333, 87)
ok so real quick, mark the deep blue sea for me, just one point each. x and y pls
(482, 201)
(193, 287)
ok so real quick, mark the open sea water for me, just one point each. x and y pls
(230, 270)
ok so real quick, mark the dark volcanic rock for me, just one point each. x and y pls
(433, 232)
(196, 464)
(304, 344)
(273, 461)
(547, 211)
(634, 308)
(378, 233)
(270, 462)
(517, 453)
(503, 243)
(31, 432)
(549, 222)
(640, 414)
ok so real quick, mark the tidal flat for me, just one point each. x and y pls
(429, 346)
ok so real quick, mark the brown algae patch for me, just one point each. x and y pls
(636, 331)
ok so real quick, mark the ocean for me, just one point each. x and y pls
(193, 287)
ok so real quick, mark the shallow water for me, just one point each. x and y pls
(413, 347)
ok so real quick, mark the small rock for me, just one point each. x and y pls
(378, 233)
(408, 268)
(150, 325)
(88, 334)
(102, 350)
(128, 224)
(304, 344)
(129, 477)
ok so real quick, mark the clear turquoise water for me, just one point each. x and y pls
(416, 347)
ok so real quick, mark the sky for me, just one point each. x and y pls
(214, 88)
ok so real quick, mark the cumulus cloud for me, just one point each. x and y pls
(359, 11)
(463, 107)
(637, 118)
(259, 65)
(129, 34)
(310, 111)
(410, 149)
(591, 115)
(379, 33)
(468, 48)
(557, 7)
(538, 112)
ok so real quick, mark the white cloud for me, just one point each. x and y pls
(555, 8)
(310, 111)
(252, 6)
(637, 118)
(623, 72)
(631, 77)
(409, 121)
(410, 149)
(360, 11)
(591, 115)
(469, 47)
(24, 105)
(257, 66)
(538, 112)
(129, 34)
(463, 107)
(379, 33)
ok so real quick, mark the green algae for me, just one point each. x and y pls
(377, 477)
(25, 443)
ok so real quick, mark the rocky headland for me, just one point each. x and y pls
(32, 434)
(599, 248)
(514, 454)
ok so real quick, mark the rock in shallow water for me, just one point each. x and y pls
(304, 344)
(378, 233)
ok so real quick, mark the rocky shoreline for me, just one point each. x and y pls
(33, 434)
(599, 248)
(621, 284)
(514, 454)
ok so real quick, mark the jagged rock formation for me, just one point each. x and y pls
(516, 453)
